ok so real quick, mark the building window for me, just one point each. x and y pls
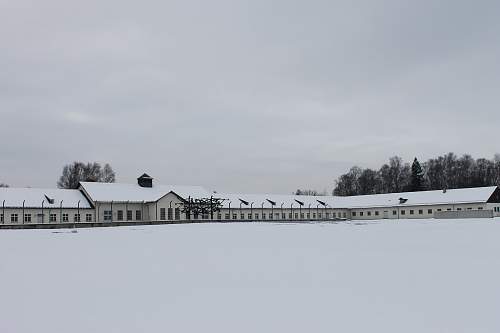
(290, 216)
(353, 213)
(256, 216)
(170, 214)
(320, 215)
(77, 217)
(249, 216)
(283, 216)
(421, 211)
(327, 215)
(263, 216)
(308, 215)
(369, 213)
(108, 215)
(345, 214)
(27, 218)
(242, 216)
(334, 215)
(119, 215)
(302, 215)
(361, 213)
(195, 215)
(429, 211)
(377, 213)
(296, 216)
(277, 215)
(439, 209)
(177, 212)
(227, 216)
(459, 209)
(1, 218)
(449, 209)
(129, 215)
(394, 212)
(138, 215)
(412, 212)
(219, 216)
(53, 217)
(470, 208)
(480, 208)
(235, 216)
(88, 217)
(163, 214)
(14, 217)
(65, 217)
(403, 212)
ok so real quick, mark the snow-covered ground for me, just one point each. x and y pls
(382, 276)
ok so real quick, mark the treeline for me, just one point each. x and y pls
(443, 172)
(308, 192)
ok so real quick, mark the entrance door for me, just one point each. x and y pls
(386, 214)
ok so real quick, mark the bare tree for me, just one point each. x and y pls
(108, 175)
(77, 172)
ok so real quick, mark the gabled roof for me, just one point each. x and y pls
(33, 198)
(107, 192)
(145, 176)
(456, 196)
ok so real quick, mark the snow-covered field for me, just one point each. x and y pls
(384, 276)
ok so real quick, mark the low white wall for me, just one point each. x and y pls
(36, 215)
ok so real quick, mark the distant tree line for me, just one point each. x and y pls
(309, 192)
(77, 172)
(444, 172)
(3, 185)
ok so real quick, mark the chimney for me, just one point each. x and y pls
(145, 181)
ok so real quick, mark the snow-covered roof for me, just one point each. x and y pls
(456, 196)
(33, 198)
(117, 192)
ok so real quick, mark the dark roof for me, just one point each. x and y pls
(145, 176)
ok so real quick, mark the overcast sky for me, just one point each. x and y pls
(250, 96)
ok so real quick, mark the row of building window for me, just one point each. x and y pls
(168, 214)
(278, 216)
(175, 214)
(411, 212)
(41, 217)
(108, 215)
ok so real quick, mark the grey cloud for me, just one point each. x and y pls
(243, 95)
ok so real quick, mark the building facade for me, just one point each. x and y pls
(146, 201)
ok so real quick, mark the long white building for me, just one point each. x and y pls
(147, 202)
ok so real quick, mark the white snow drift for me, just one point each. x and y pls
(385, 276)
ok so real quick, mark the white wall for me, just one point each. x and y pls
(405, 212)
(35, 212)
(123, 207)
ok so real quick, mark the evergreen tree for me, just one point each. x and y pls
(417, 176)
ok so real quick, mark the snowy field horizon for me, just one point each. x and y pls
(352, 276)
